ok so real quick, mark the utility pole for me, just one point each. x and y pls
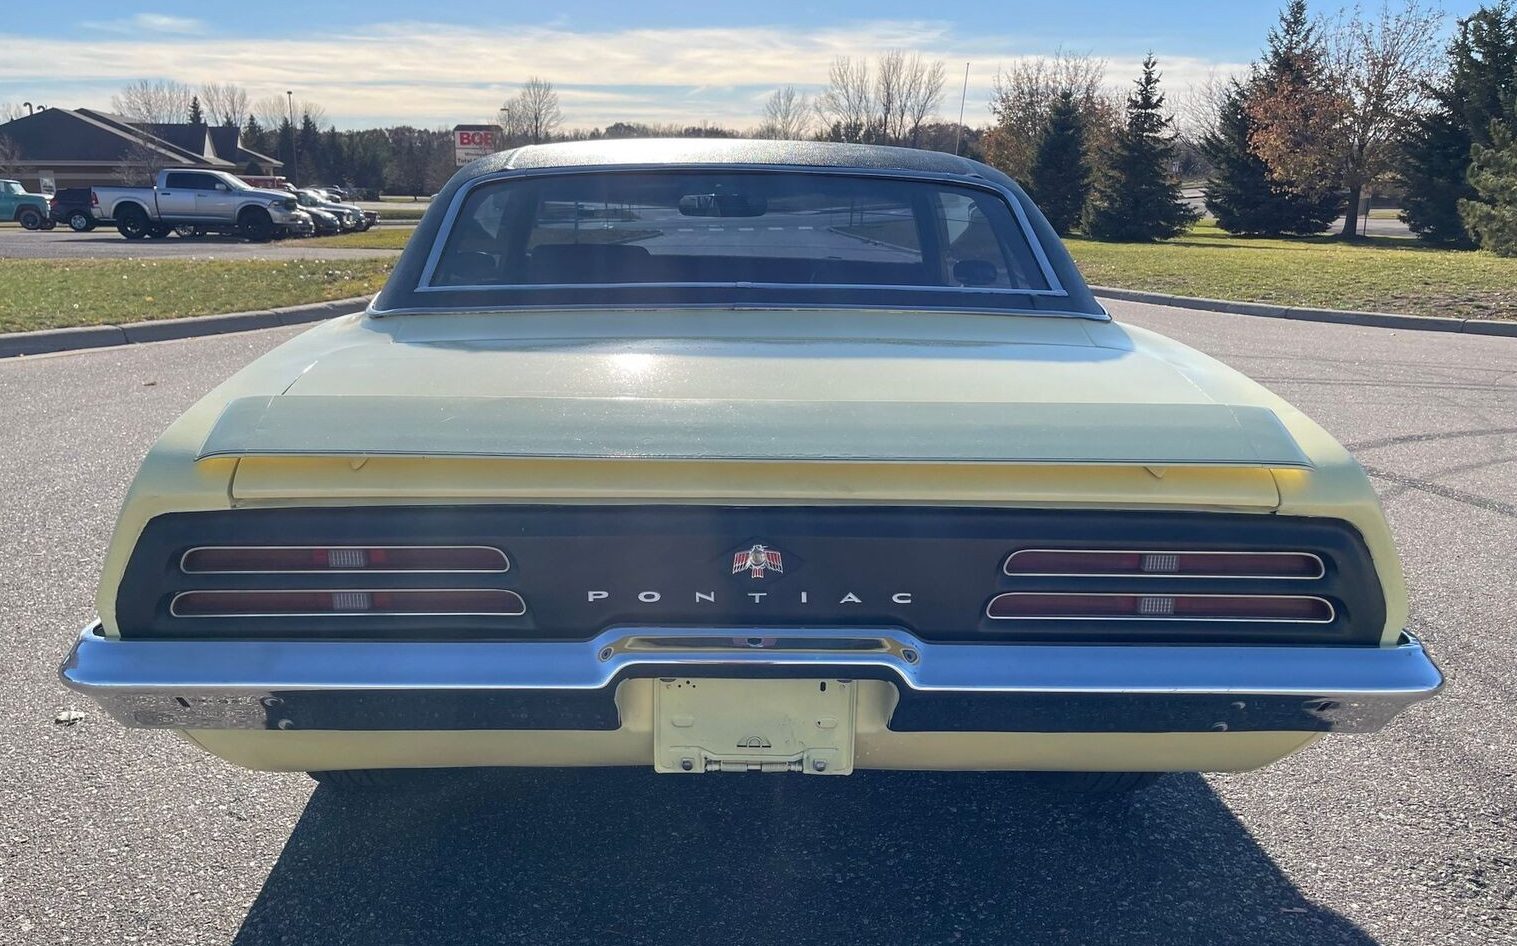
(964, 94)
(294, 141)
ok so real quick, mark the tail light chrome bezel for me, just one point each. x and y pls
(184, 560)
(519, 608)
(1332, 612)
(1320, 573)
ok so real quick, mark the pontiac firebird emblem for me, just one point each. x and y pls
(758, 560)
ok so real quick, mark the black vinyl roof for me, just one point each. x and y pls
(678, 151)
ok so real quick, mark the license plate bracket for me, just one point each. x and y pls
(722, 725)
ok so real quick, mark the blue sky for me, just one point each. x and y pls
(385, 61)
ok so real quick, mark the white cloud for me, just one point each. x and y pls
(149, 23)
(432, 74)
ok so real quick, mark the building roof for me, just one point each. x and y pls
(86, 135)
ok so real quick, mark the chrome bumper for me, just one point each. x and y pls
(464, 685)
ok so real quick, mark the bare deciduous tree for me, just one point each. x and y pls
(886, 104)
(1023, 94)
(10, 157)
(846, 106)
(907, 92)
(10, 111)
(225, 103)
(1198, 111)
(1383, 68)
(139, 164)
(787, 115)
(272, 111)
(533, 115)
(153, 101)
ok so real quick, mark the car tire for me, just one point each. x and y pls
(49, 223)
(132, 223)
(378, 781)
(29, 218)
(159, 231)
(255, 225)
(80, 222)
(1092, 785)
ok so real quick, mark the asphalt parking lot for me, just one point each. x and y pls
(106, 243)
(1406, 837)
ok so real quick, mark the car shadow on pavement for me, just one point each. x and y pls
(625, 856)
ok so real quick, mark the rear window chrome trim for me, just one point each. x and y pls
(375, 313)
(445, 229)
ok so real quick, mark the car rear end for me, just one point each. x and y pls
(815, 526)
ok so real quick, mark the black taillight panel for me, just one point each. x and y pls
(580, 569)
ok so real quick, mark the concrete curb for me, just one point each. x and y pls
(106, 336)
(1420, 323)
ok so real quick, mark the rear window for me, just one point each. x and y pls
(716, 228)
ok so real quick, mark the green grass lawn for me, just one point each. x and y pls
(379, 238)
(37, 294)
(1381, 275)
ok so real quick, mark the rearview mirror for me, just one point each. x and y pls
(722, 205)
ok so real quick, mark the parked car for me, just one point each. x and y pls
(327, 223)
(366, 218)
(214, 201)
(337, 215)
(802, 458)
(74, 206)
(28, 209)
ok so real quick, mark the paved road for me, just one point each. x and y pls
(1406, 837)
(63, 243)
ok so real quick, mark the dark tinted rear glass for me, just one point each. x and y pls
(716, 228)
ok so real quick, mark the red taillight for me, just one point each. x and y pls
(379, 558)
(1033, 605)
(477, 601)
(1083, 563)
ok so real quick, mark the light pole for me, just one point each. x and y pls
(964, 94)
(294, 143)
(28, 106)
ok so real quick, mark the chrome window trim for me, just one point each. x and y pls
(506, 559)
(374, 313)
(1331, 611)
(445, 228)
(174, 603)
(1006, 567)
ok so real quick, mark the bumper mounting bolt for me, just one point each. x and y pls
(605, 653)
(687, 764)
(819, 765)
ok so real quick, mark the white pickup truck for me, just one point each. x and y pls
(205, 200)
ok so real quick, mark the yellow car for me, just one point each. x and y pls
(727, 456)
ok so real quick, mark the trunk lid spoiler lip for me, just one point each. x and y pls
(755, 430)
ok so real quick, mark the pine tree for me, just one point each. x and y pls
(1137, 197)
(309, 148)
(1481, 89)
(197, 117)
(1492, 218)
(253, 136)
(1060, 176)
(1242, 194)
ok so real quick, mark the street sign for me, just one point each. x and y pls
(473, 141)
